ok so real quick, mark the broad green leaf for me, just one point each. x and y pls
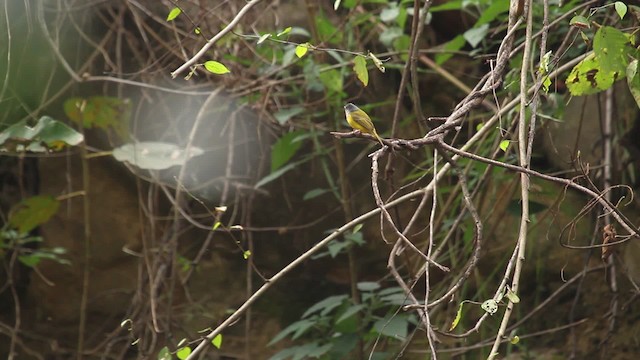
(448, 5)
(302, 49)
(174, 13)
(390, 34)
(621, 9)
(155, 155)
(633, 80)
(504, 145)
(612, 48)
(217, 341)
(475, 35)
(100, 112)
(33, 212)
(48, 132)
(282, 116)
(298, 327)
(327, 31)
(183, 352)
(360, 68)
(587, 77)
(284, 149)
(512, 297)
(216, 67)
(456, 320)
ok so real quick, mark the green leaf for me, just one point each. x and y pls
(183, 352)
(284, 149)
(587, 77)
(298, 327)
(174, 13)
(368, 286)
(282, 116)
(246, 254)
(325, 306)
(456, 320)
(100, 112)
(274, 175)
(164, 354)
(612, 48)
(332, 81)
(633, 80)
(302, 49)
(217, 341)
(263, 38)
(390, 34)
(512, 296)
(155, 155)
(580, 22)
(284, 32)
(52, 133)
(33, 212)
(504, 144)
(350, 311)
(314, 193)
(216, 67)
(514, 340)
(475, 35)
(448, 48)
(360, 68)
(397, 327)
(197, 31)
(621, 9)
(496, 8)
(390, 13)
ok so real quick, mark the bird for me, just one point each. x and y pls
(359, 120)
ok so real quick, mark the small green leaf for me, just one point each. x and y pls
(274, 175)
(448, 48)
(246, 254)
(368, 286)
(456, 320)
(216, 225)
(33, 212)
(512, 297)
(217, 341)
(514, 340)
(284, 149)
(504, 144)
(479, 126)
(621, 9)
(164, 354)
(197, 31)
(174, 13)
(216, 67)
(360, 68)
(490, 306)
(284, 32)
(546, 83)
(580, 22)
(302, 49)
(314, 193)
(182, 353)
(282, 116)
(356, 228)
(263, 38)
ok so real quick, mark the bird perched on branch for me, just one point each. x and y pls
(359, 120)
